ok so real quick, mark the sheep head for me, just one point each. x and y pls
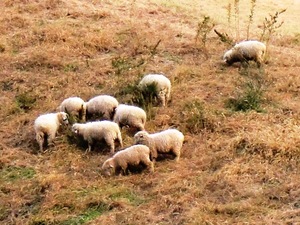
(108, 167)
(141, 137)
(63, 118)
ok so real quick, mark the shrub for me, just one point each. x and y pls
(195, 117)
(250, 98)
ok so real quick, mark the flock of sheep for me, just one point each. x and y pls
(102, 117)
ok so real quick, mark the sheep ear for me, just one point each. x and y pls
(111, 166)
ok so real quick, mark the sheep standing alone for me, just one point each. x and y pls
(133, 156)
(47, 125)
(75, 107)
(97, 131)
(101, 107)
(246, 51)
(162, 87)
(167, 141)
(129, 115)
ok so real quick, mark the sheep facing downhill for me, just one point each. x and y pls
(131, 156)
(131, 116)
(162, 86)
(101, 107)
(75, 107)
(93, 132)
(46, 127)
(167, 141)
(246, 51)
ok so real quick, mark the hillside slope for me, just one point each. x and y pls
(237, 167)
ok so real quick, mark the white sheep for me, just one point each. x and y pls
(131, 156)
(129, 115)
(167, 141)
(75, 107)
(47, 125)
(246, 51)
(162, 87)
(97, 131)
(101, 107)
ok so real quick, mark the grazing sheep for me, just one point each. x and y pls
(47, 125)
(162, 87)
(129, 115)
(75, 107)
(246, 51)
(101, 107)
(131, 156)
(167, 141)
(97, 131)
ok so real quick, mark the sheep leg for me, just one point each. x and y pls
(50, 139)
(40, 140)
(119, 139)
(90, 144)
(110, 143)
(149, 164)
(177, 154)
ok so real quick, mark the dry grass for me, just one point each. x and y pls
(236, 167)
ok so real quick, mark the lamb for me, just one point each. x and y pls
(75, 107)
(129, 115)
(162, 87)
(101, 107)
(246, 51)
(131, 156)
(97, 131)
(167, 141)
(47, 125)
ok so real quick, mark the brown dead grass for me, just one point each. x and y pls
(236, 168)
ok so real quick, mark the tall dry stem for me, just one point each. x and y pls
(250, 21)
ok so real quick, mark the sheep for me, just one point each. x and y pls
(246, 51)
(47, 125)
(75, 107)
(129, 115)
(101, 107)
(167, 141)
(131, 156)
(162, 87)
(97, 131)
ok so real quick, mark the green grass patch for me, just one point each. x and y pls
(88, 215)
(13, 173)
(25, 101)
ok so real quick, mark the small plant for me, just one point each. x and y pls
(203, 29)
(270, 25)
(224, 37)
(195, 117)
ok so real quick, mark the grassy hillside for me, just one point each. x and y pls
(240, 161)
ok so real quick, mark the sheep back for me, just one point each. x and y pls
(101, 107)
(133, 155)
(132, 116)
(163, 86)
(97, 131)
(246, 51)
(74, 106)
(47, 125)
(167, 141)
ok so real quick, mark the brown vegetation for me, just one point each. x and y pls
(240, 165)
